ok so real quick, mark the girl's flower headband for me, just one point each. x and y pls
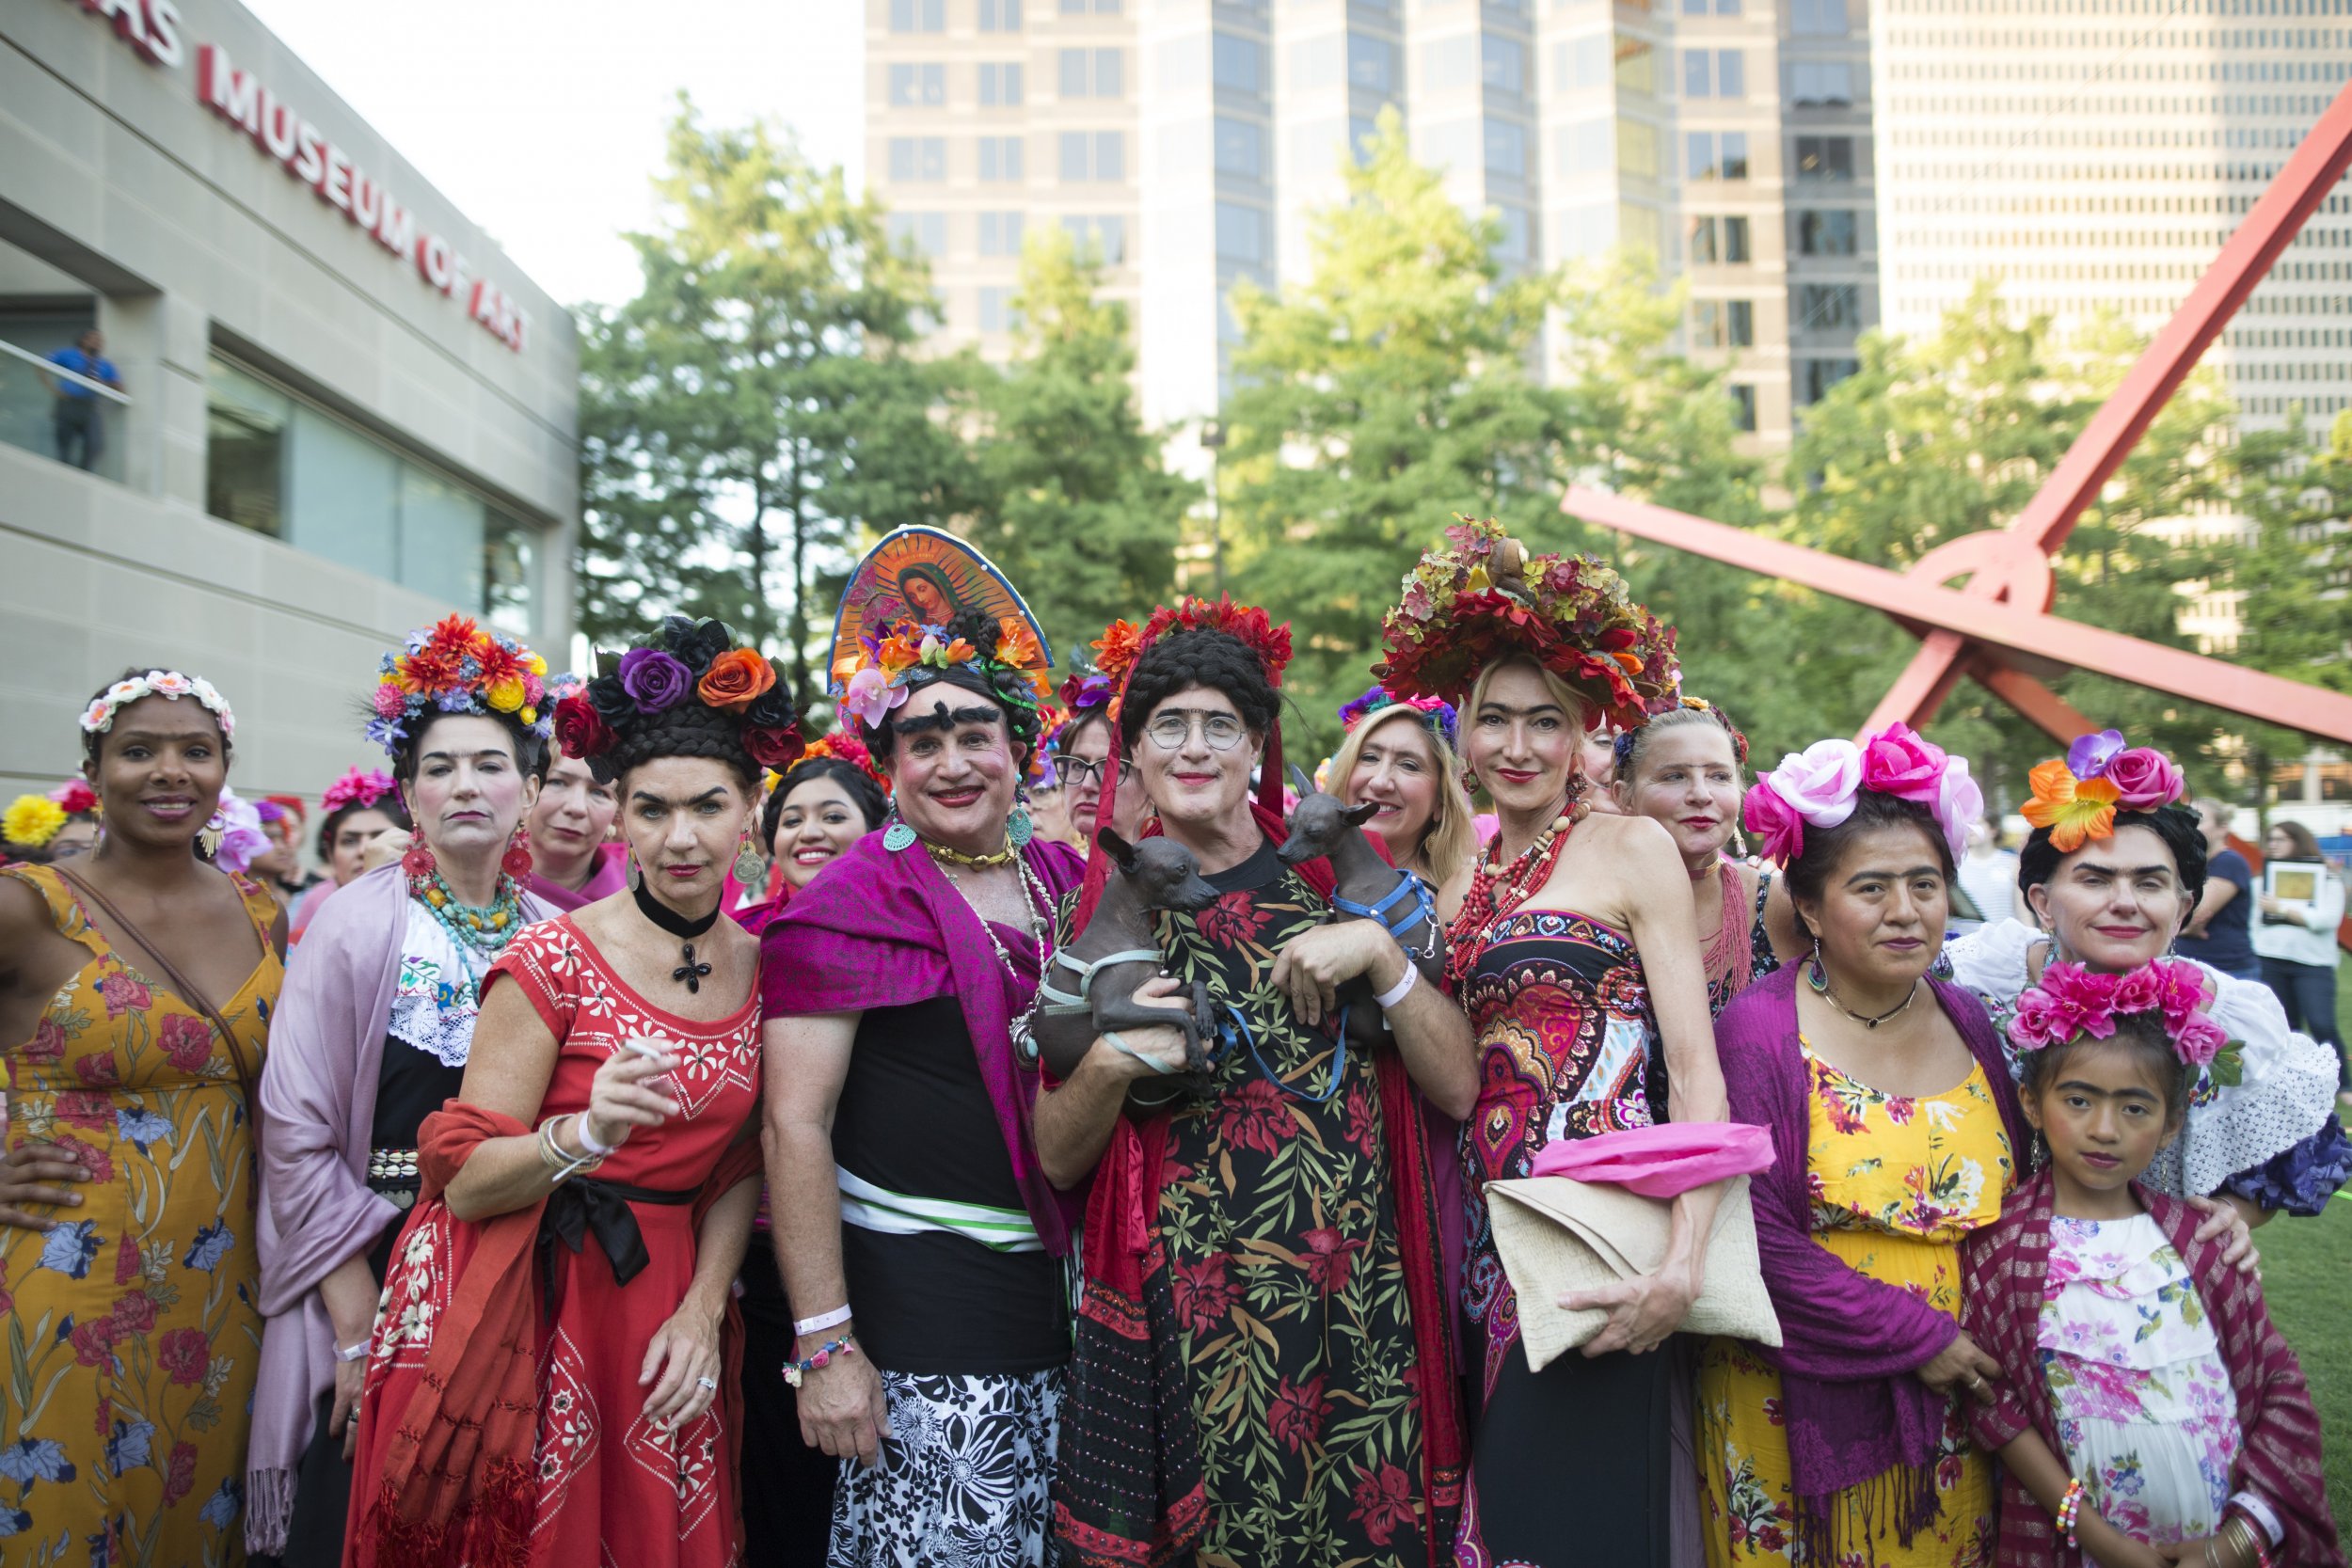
(457, 666)
(2073, 1001)
(356, 788)
(100, 717)
(2077, 796)
(1435, 712)
(1817, 788)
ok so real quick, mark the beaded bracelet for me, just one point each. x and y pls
(2069, 1510)
(795, 1370)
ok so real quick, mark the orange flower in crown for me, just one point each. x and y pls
(2077, 796)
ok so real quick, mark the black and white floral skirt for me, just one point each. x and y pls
(964, 1476)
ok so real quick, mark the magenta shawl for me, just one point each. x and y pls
(318, 1111)
(1849, 1344)
(2278, 1460)
(610, 876)
(878, 930)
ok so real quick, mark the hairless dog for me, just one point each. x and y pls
(1368, 888)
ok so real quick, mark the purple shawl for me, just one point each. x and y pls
(318, 1112)
(878, 930)
(610, 876)
(1854, 1411)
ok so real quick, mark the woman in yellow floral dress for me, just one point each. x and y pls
(1895, 1129)
(127, 1259)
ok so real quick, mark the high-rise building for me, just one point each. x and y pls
(2096, 155)
(1194, 137)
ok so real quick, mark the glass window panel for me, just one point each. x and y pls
(1699, 156)
(1240, 233)
(1318, 62)
(1827, 233)
(1584, 147)
(1742, 406)
(440, 538)
(1637, 64)
(1740, 323)
(1110, 74)
(1695, 72)
(510, 554)
(901, 85)
(1075, 144)
(1239, 63)
(1074, 73)
(343, 494)
(1448, 64)
(1240, 148)
(1507, 149)
(1581, 62)
(1736, 240)
(1731, 74)
(1372, 63)
(1503, 63)
(1637, 149)
(1735, 155)
(245, 450)
(1514, 246)
(1704, 248)
(1110, 155)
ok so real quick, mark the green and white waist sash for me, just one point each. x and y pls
(873, 1207)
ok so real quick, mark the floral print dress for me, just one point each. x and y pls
(1897, 1182)
(133, 1329)
(2143, 1397)
(1287, 1272)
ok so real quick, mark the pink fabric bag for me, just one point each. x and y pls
(1660, 1161)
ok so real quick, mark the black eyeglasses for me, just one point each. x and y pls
(1077, 770)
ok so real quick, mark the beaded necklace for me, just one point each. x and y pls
(473, 930)
(1038, 901)
(1497, 890)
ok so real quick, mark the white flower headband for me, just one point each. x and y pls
(157, 682)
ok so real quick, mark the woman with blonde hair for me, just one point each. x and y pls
(1412, 772)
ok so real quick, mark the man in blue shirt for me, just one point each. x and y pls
(81, 435)
(2219, 931)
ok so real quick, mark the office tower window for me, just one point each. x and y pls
(1000, 233)
(1820, 83)
(1637, 149)
(1503, 63)
(1372, 63)
(1637, 64)
(1241, 232)
(1000, 85)
(1361, 131)
(1735, 241)
(1723, 324)
(918, 85)
(1825, 158)
(1093, 73)
(1513, 248)
(1827, 233)
(1829, 307)
(1000, 16)
(1582, 147)
(1080, 8)
(1097, 156)
(918, 159)
(1701, 7)
(1814, 377)
(1110, 155)
(1450, 64)
(996, 311)
(1720, 240)
(1740, 323)
(927, 232)
(1714, 74)
(1507, 149)
(1319, 62)
(918, 16)
(1000, 160)
(1717, 154)
(1106, 237)
(1817, 18)
(1240, 148)
(1578, 63)
(1641, 227)
(1742, 406)
(1237, 64)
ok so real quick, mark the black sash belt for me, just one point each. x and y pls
(584, 1207)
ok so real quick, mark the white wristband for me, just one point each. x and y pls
(588, 1144)
(823, 1322)
(1403, 988)
(352, 1352)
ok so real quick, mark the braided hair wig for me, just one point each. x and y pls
(1203, 656)
(689, 691)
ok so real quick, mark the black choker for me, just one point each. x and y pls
(679, 926)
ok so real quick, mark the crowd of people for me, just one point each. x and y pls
(636, 1145)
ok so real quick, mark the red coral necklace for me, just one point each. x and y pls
(1496, 891)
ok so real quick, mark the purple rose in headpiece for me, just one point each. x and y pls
(2088, 758)
(2143, 778)
(653, 679)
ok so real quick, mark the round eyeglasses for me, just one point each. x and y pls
(1222, 732)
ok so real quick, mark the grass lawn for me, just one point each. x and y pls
(2307, 1269)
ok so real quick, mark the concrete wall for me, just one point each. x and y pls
(114, 171)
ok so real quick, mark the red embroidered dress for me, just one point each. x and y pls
(610, 1487)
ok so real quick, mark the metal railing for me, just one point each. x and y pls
(30, 410)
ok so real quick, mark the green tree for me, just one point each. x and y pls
(1076, 503)
(758, 401)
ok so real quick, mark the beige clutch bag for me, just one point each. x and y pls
(1558, 1235)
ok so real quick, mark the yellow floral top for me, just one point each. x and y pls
(133, 1329)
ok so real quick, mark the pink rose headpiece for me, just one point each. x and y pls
(1816, 787)
(2073, 1001)
(356, 788)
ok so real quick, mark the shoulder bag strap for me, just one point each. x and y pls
(196, 998)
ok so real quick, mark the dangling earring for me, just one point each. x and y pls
(208, 837)
(1815, 976)
(751, 867)
(1018, 828)
(898, 835)
(419, 864)
(515, 862)
(2038, 1155)
(632, 876)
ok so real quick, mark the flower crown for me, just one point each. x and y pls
(2077, 796)
(1005, 654)
(685, 661)
(1097, 686)
(1816, 787)
(32, 820)
(99, 716)
(1622, 747)
(1248, 623)
(356, 788)
(2071, 1002)
(1480, 598)
(458, 666)
(1435, 711)
(844, 747)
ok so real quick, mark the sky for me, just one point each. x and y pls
(544, 122)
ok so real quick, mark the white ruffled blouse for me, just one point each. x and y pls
(437, 996)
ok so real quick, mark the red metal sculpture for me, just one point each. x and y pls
(1997, 629)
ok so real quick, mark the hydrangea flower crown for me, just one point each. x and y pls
(1816, 787)
(686, 661)
(1435, 711)
(2077, 796)
(2072, 1003)
(1480, 598)
(458, 666)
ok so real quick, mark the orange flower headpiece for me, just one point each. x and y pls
(2076, 796)
(1479, 598)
